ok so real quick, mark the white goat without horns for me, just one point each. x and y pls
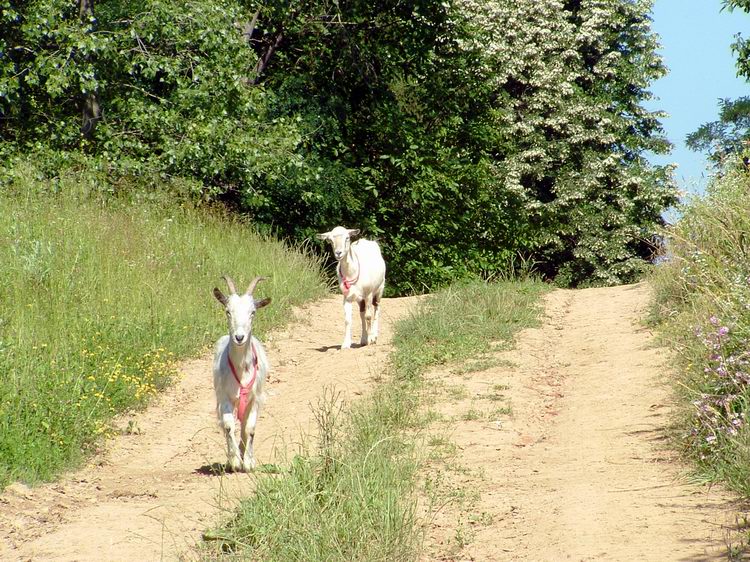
(361, 273)
(240, 370)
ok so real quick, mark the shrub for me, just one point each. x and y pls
(703, 304)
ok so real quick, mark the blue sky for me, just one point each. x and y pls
(696, 37)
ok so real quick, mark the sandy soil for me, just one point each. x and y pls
(577, 471)
(154, 492)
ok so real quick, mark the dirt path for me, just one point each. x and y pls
(579, 469)
(558, 450)
(151, 496)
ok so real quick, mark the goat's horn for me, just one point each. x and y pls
(253, 283)
(230, 284)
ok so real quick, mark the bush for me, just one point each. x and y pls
(703, 304)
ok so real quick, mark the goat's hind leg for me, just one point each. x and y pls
(226, 413)
(375, 328)
(248, 436)
(364, 316)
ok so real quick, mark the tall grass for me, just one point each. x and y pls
(463, 321)
(100, 296)
(354, 497)
(703, 306)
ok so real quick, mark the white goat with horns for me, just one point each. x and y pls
(240, 369)
(361, 273)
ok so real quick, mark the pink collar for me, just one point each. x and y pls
(346, 284)
(244, 389)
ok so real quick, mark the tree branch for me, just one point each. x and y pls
(249, 28)
(263, 61)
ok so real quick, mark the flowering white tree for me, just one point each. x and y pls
(569, 78)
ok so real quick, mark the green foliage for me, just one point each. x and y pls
(725, 139)
(462, 134)
(703, 305)
(463, 321)
(355, 498)
(741, 46)
(476, 144)
(171, 78)
(101, 297)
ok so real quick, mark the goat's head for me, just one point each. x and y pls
(340, 239)
(240, 310)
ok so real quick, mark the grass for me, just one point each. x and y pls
(356, 496)
(500, 412)
(101, 296)
(344, 501)
(702, 306)
(480, 365)
(462, 322)
(472, 414)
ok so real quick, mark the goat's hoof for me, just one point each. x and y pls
(346, 345)
(235, 464)
(248, 465)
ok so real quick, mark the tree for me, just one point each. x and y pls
(727, 137)
(384, 91)
(723, 140)
(172, 78)
(569, 80)
(462, 133)
(741, 46)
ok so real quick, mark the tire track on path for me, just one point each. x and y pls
(581, 470)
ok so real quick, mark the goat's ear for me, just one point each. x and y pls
(261, 303)
(221, 297)
(353, 231)
(323, 236)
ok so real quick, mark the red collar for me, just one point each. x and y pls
(244, 389)
(346, 284)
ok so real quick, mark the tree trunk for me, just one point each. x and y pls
(249, 28)
(91, 111)
(86, 9)
(263, 61)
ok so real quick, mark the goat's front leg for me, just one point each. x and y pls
(234, 459)
(248, 435)
(347, 325)
(365, 319)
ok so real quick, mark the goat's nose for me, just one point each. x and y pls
(239, 338)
